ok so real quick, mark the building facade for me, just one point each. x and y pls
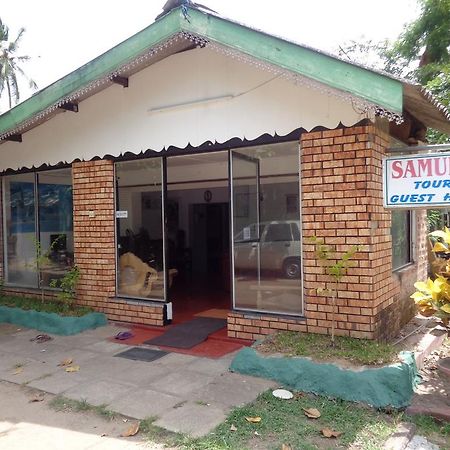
(187, 169)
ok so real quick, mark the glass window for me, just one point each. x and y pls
(38, 211)
(140, 230)
(55, 223)
(20, 230)
(266, 229)
(401, 238)
(277, 232)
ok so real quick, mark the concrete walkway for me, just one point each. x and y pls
(187, 394)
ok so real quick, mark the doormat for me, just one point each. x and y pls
(142, 354)
(189, 334)
(214, 313)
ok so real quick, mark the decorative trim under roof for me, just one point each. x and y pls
(425, 107)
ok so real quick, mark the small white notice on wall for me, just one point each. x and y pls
(121, 214)
(247, 233)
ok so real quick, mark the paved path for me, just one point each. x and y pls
(188, 394)
(36, 426)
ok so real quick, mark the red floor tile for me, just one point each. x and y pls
(217, 344)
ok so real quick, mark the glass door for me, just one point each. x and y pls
(141, 236)
(245, 195)
(266, 229)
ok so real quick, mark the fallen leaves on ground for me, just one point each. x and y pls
(65, 362)
(328, 433)
(132, 430)
(73, 369)
(233, 427)
(18, 370)
(37, 398)
(312, 413)
(253, 419)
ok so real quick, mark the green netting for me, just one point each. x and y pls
(51, 322)
(380, 387)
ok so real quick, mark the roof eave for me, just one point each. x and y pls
(370, 86)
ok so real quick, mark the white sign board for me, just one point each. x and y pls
(121, 214)
(419, 181)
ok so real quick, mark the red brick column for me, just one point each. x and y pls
(95, 248)
(93, 226)
(342, 203)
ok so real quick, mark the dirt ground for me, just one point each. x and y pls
(25, 424)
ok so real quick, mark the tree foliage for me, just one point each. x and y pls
(10, 65)
(426, 41)
(421, 54)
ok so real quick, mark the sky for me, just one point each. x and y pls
(62, 36)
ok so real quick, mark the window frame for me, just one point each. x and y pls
(412, 238)
(37, 231)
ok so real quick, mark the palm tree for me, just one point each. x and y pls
(9, 65)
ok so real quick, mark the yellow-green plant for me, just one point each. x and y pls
(335, 267)
(67, 285)
(433, 296)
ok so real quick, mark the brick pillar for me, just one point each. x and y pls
(93, 223)
(341, 177)
(421, 244)
(95, 249)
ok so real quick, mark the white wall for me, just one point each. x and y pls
(119, 120)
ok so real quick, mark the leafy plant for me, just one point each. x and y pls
(433, 296)
(336, 268)
(41, 259)
(67, 284)
(434, 219)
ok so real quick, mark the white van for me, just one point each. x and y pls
(279, 247)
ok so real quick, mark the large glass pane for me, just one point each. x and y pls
(19, 228)
(55, 223)
(266, 229)
(140, 229)
(246, 239)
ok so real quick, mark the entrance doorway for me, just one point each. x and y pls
(198, 234)
(209, 232)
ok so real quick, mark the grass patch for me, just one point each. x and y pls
(60, 403)
(48, 306)
(317, 346)
(283, 421)
(159, 435)
(435, 431)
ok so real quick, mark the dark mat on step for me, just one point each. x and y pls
(189, 334)
(142, 354)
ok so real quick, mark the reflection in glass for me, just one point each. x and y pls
(401, 238)
(140, 229)
(55, 223)
(266, 232)
(20, 230)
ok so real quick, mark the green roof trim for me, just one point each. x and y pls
(375, 87)
(364, 83)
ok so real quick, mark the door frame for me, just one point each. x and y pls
(232, 153)
(165, 300)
